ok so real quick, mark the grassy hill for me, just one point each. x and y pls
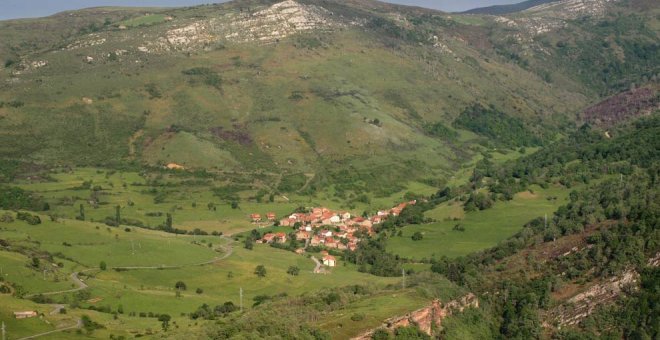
(117, 125)
(507, 9)
(186, 86)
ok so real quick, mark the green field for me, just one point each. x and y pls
(483, 229)
(80, 246)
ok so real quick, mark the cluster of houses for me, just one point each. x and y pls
(257, 218)
(322, 227)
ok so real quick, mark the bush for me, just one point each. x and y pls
(260, 270)
(29, 218)
(293, 270)
(417, 236)
(357, 317)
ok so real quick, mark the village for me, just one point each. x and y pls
(326, 229)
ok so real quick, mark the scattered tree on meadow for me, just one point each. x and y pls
(293, 271)
(165, 321)
(260, 270)
(81, 215)
(249, 243)
(103, 265)
(180, 285)
(117, 216)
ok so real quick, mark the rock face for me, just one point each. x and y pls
(551, 16)
(582, 305)
(265, 25)
(428, 318)
(277, 21)
(572, 9)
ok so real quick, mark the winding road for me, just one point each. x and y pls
(228, 249)
(74, 277)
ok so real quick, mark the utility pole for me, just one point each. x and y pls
(44, 274)
(132, 247)
(241, 298)
(3, 331)
(546, 221)
(403, 274)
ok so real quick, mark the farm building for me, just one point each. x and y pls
(255, 217)
(329, 261)
(25, 315)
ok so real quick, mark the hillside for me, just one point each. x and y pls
(293, 87)
(328, 169)
(507, 9)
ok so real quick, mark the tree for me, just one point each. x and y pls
(293, 271)
(260, 270)
(380, 334)
(165, 321)
(180, 285)
(168, 221)
(249, 243)
(117, 215)
(417, 236)
(410, 332)
(103, 265)
(234, 205)
(81, 215)
(35, 262)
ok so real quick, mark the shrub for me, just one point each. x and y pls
(357, 317)
(293, 270)
(29, 218)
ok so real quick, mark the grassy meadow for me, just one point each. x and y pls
(483, 229)
(81, 246)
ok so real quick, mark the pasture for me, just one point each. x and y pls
(483, 229)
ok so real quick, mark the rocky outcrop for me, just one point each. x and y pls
(278, 21)
(265, 25)
(584, 304)
(428, 318)
(550, 16)
(572, 9)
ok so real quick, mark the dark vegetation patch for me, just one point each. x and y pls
(238, 134)
(498, 126)
(292, 183)
(623, 106)
(205, 76)
(440, 130)
(12, 198)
